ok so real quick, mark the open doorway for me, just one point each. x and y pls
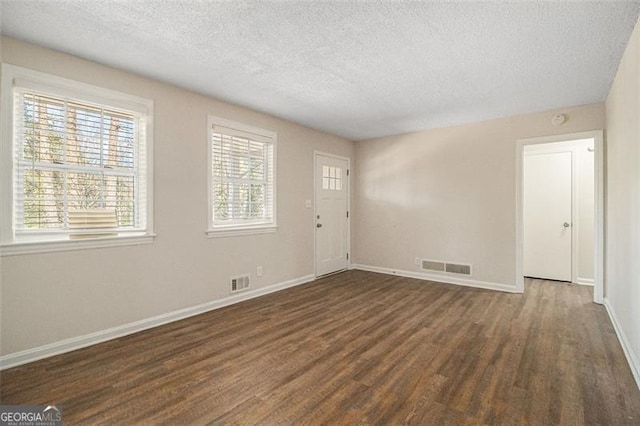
(559, 210)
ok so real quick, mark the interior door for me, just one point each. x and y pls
(331, 220)
(547, 215)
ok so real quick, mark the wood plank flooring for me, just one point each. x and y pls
(354, 348)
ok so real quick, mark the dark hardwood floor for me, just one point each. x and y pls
(354, 348)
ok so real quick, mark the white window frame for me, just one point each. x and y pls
(235, 229)
(10, 243)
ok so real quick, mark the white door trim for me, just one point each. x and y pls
(598, 257)
(315, 207)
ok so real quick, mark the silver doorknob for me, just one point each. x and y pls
(318, 225)
(566, 225)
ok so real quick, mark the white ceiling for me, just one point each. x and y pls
(359, 70)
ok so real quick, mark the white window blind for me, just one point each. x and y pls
(242, 177)
(72, 155)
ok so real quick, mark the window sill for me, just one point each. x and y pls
(238, 231)
(32, 247)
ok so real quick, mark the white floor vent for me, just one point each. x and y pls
(239, 283)
(439, 266)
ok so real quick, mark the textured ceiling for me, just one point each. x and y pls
(359, 70)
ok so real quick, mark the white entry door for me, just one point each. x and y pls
(331, 220)
(547, 215)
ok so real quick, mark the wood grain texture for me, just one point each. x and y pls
(354, 348)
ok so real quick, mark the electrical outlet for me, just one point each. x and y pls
(259, 271)
(417, 261)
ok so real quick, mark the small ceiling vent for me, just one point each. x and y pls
(239, 283)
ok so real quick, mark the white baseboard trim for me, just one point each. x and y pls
(29, 355)
(584, 281)
(632, 359)
(439, 278)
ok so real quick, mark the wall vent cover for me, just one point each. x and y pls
(448, 267)
(433, 265)
(458, 269)
(239, 283)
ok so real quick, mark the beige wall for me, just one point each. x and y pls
(49, 297)
(449, 194)
(622, 269)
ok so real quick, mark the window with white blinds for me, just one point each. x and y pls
(242, 179)
(80, 166)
